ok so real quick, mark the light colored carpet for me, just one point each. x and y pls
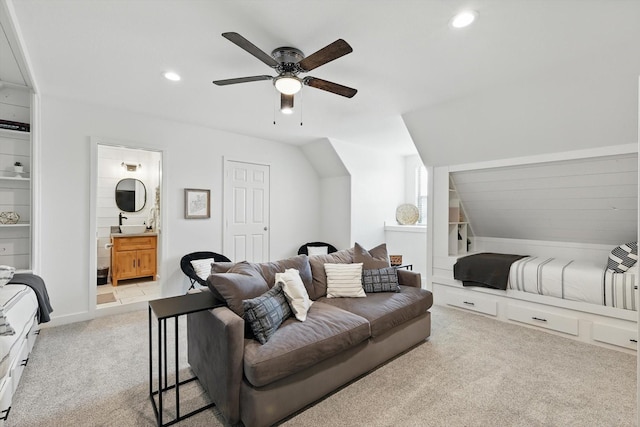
(473, 371)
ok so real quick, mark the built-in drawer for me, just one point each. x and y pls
(542, 318)
(623, 337)
(6, 396)
(19, 363)
(33, 333)
(134, 243)
(471, 301)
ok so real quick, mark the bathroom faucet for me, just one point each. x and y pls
(120, 218)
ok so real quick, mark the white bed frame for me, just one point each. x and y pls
(9, 384)
(609, 327)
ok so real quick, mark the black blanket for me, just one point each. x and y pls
(486, 269)
(37, 284)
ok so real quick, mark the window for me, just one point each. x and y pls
(422, 180)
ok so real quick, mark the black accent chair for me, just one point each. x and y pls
(303, 249)
(187, 268)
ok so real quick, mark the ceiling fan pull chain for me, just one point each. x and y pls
(300, 104)
(274, 105)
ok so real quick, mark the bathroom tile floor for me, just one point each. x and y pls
(130, 291)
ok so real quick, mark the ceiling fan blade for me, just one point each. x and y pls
(327, 54)
(330, 87)
(251, 48)
(241, 80)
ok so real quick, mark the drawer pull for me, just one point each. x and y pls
(632, 340)
(538, 318)
(24, 362)
(468, 303)
(5, 414)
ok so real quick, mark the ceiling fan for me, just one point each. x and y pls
(288, 62)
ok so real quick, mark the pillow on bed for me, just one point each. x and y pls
(623, 257)
(6, 274)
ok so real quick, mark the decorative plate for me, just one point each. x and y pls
(407, 214)
(9, 218)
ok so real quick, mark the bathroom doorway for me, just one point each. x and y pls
(128, 189)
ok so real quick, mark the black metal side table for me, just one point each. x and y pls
(164, 309)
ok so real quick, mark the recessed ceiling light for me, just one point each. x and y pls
(464, 19)
(170, 75)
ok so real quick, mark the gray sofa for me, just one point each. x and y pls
(341, 339)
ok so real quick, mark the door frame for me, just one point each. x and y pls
(225, 218)
(163, 241)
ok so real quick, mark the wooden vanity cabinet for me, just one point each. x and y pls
(133, 257)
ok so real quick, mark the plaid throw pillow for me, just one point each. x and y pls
(380, 280)
(266, 312)
(623, 257)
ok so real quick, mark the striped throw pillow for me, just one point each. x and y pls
(344, 280)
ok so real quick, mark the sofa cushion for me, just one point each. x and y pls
(380, 280)
(296, 345)
(266, 312)
(386, 310)
(299, 262)
(372, 258)
(221, 267)
(242, 281)
(344, 280)
(318, 286)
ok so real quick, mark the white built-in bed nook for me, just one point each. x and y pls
(530, 240)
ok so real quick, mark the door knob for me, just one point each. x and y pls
(265, 229)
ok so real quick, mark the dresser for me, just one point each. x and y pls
(133, 256)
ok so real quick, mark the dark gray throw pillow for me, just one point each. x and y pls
(266, 312)
(380, 280)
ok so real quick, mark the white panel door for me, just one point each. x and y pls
(246, 211)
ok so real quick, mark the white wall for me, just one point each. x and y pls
(377, 188)
(335, 208)
(193, 159)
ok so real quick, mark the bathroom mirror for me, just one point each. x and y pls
(131, 195)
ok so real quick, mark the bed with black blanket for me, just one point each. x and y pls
(24, 304)
(560, 278)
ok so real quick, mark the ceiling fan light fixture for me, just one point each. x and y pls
(286, 104)
(287, 84)
(464, 19)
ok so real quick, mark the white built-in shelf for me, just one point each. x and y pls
(14, 178)
(20, 224)
(8, 133)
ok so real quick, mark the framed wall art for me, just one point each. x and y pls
(197, 203)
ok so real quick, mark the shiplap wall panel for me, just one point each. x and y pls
(586, 200)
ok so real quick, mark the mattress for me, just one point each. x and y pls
(18, 307)
(576, 281)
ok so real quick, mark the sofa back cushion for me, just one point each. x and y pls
(242, 281)
(318, 286)
(373, 258)
(299, 262)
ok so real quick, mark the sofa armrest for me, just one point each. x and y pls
(215, 353)
(409, 278)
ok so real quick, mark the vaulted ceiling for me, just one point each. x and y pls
(406, 58)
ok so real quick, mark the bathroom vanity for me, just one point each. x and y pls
(133, 256)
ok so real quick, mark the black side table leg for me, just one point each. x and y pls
(177, 372)
(160, 371)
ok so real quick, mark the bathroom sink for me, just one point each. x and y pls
(133, 229)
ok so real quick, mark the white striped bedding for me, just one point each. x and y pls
(19, 304)
(576, 281)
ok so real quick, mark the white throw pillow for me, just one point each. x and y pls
(6, 274)
(344, 280)
(317, 250)
(202, 267)
(295, 292)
